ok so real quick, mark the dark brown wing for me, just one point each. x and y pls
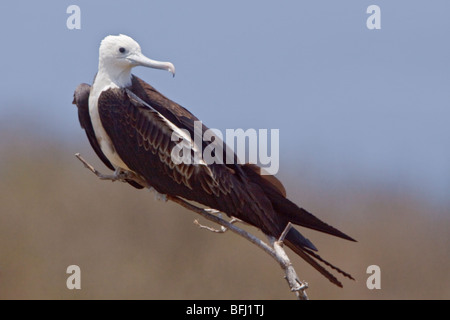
(142, 138)
(175, 113)
(81, 100)
(274, 191)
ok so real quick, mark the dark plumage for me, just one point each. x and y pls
(136, 120)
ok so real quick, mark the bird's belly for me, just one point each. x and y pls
(110, 152)
(103, 139)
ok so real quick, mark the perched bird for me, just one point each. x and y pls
(130, 126)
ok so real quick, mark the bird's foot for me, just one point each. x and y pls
(120, 175)
(159, 196)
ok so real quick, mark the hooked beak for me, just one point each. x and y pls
(138, 59)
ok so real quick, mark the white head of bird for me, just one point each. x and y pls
(119, 54)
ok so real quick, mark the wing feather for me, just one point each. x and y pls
(122, 111)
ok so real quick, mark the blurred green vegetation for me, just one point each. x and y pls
(54, 213)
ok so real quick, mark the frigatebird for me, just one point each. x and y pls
(130, 126)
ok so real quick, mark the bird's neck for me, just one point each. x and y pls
(120, 77)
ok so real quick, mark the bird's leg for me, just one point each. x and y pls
(158, 196)
(120, 175)
(101, 176)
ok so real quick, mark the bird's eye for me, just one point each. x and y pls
(121, 49)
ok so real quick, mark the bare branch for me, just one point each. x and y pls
(201, 226)
(222, 228)
(275, 250)
(285, 232)
(297, 286)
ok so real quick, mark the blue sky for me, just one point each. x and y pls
(372, 104)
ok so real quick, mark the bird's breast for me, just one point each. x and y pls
(106, 145)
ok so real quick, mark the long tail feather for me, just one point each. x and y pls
(293, 241)
(315, 255)
(290, 242)
(276, 193)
